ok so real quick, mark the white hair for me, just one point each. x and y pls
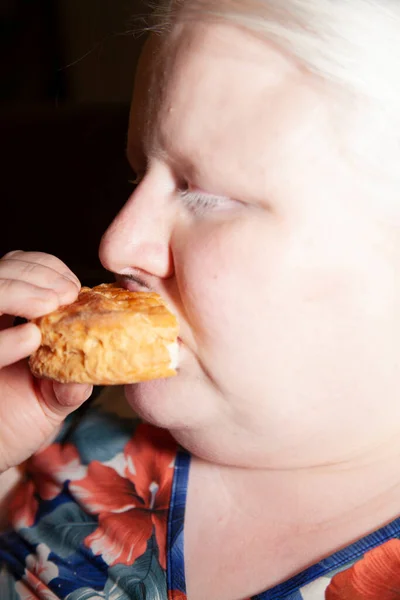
(354, 45)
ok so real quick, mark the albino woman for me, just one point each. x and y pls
(265, 135)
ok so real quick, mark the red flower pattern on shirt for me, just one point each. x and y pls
(375, 576)
(176, 595)
(23, 506)
(39, 571)
(132, 505)
(45, 473)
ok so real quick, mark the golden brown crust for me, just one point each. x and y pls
(108, 336)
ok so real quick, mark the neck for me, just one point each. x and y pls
(345, 500)
(286, 519)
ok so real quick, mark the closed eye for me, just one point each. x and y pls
(199, 202)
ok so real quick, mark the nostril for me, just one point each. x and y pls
(133, 282)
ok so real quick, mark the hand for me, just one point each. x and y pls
(31, 410)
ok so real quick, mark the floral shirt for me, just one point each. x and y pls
(100, 515)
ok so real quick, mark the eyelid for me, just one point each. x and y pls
(198, 201)
(195, 199)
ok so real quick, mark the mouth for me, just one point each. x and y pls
(132, 283)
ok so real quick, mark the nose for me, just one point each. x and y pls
(139, 238)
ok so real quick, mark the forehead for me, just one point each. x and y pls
(219, 91)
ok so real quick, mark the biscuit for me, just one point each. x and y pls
(108, 336)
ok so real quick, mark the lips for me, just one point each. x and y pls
(135, 284)
(132, 283)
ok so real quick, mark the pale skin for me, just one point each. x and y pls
(31, 411)
(283, 271)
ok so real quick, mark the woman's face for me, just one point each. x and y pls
(251, 223)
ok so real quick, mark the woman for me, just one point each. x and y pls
(267, 216)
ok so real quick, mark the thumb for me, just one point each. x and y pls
(59, 399)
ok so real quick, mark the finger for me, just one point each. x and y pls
(39, 284)
(18, 342)
(51, 438)
(59, 400)
(22, 299)
(72, 394)
(44, 259)
(35, 273)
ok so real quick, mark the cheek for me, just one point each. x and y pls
(225, 278)
(286, 321)
(217, 280)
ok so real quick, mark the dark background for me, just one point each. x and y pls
(66, 75)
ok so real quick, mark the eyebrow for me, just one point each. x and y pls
(141, 150)
(139, 155)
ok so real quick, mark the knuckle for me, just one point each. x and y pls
(28, 268)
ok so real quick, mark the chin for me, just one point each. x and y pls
(175, 403)
(150, 401)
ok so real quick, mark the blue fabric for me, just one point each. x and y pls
(93, 515)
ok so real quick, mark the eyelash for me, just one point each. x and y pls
(194, 201)
(198, 202)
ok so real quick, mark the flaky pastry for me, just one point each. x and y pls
(108, 336)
